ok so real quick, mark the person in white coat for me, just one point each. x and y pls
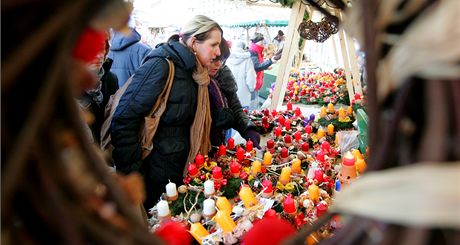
(242, 67)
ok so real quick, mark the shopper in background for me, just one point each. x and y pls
(184, 127)
(226, 108)
(279, 40)
(242, 67)
(127, 53)
(256, 49)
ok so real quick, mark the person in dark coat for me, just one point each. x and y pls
(226, 108)
(185, 125)
(127, 53)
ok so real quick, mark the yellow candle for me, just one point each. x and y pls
(224, 221)
(330, 129)
(285, 176)
(330, 108)
(350, 110)
(198, 232)
(337, 139)
(360, 165)
(323, 112)
(256, 167)
(223, 204)
(296, 166)
(247, 197)
(342, 113)
(267, 158)
(357, 154)
(313, 191)
(320, 133)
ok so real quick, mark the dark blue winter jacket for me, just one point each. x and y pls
(127, 53)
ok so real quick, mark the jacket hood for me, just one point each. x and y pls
(178, 53)
(237, 57)
(121, 41)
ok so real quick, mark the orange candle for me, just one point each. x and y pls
(247, 196)
(357, 154)
(350, 110)
(330, 129)
(323, 112)
(296, 166)
(224, 221)
(330, 108)
(198, 232)
(342, 113)
(313, 191)
(267, 158)
(320, 133)
(224, 205)
(360, 165)
(256, 167)
(285, 176)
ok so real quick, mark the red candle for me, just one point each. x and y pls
(270, 144)
(318, 175)
(305, 146)
(357, 96)
(231, 143)
(287, 124)
(192, 170)
(217, 173)
(267, 186)
(284, 152)
(348, 159)
(249, 145)
(281, 119)
(297, 111)
(274, 113)
(240, 154)
(199, 160)
(278, 131)
(271, 213)
(297, 135)
(222, 150)
(321, 209)
(325, 146)
(289, 205)
(235, 169)
(266, 112)
(308, 129)
(320, 156)
(289, 106)
(287, 139)
(264, 120)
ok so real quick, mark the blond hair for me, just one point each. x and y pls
(199, 27)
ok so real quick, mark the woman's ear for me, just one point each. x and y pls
(192, 43)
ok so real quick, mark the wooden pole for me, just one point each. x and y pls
(354, 65)
(289, 51)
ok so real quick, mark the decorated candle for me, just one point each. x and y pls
(330, 108)
(217, 173)
(270, 143)
(348, 170)
(296, 166)
(342, 113)
(274, 113)
(330, 129)
(198, 232)
(278, 131)
(224, 221)
(287, 139)
(321, 209)
(171, 191)
(256, 168)
(163, 209)
(320, 156)
(318, 175)
(281, 120)
(264, 120)
(247, 196)
(235, 169)
(350, 110)
(308, 129)
(289, 106)
(297, 136)
(267, 188)
(231, 143)
(297, 112)
(348, 159)
(323, 112)
(305, 147)
(311, 170)
(209, 208)
(320, 133)
(224, 205)
(209, 188)
(222, 150)
(360, 165)
(192, 170)
(285, 176)
(287, 124)
(239, 154)
(249, 145)
(336, 139)
(199, 161)
(325, 146)
(267, 158)
(289, 205)
(284, 152)
(313, 191)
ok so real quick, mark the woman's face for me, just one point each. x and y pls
(214, 67)
(208, 49)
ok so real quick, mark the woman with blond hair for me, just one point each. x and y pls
(184, 127)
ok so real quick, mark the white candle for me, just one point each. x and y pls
(209, 188)
(209, 208)
(163, 208)
(311, 170)
(171, 191)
